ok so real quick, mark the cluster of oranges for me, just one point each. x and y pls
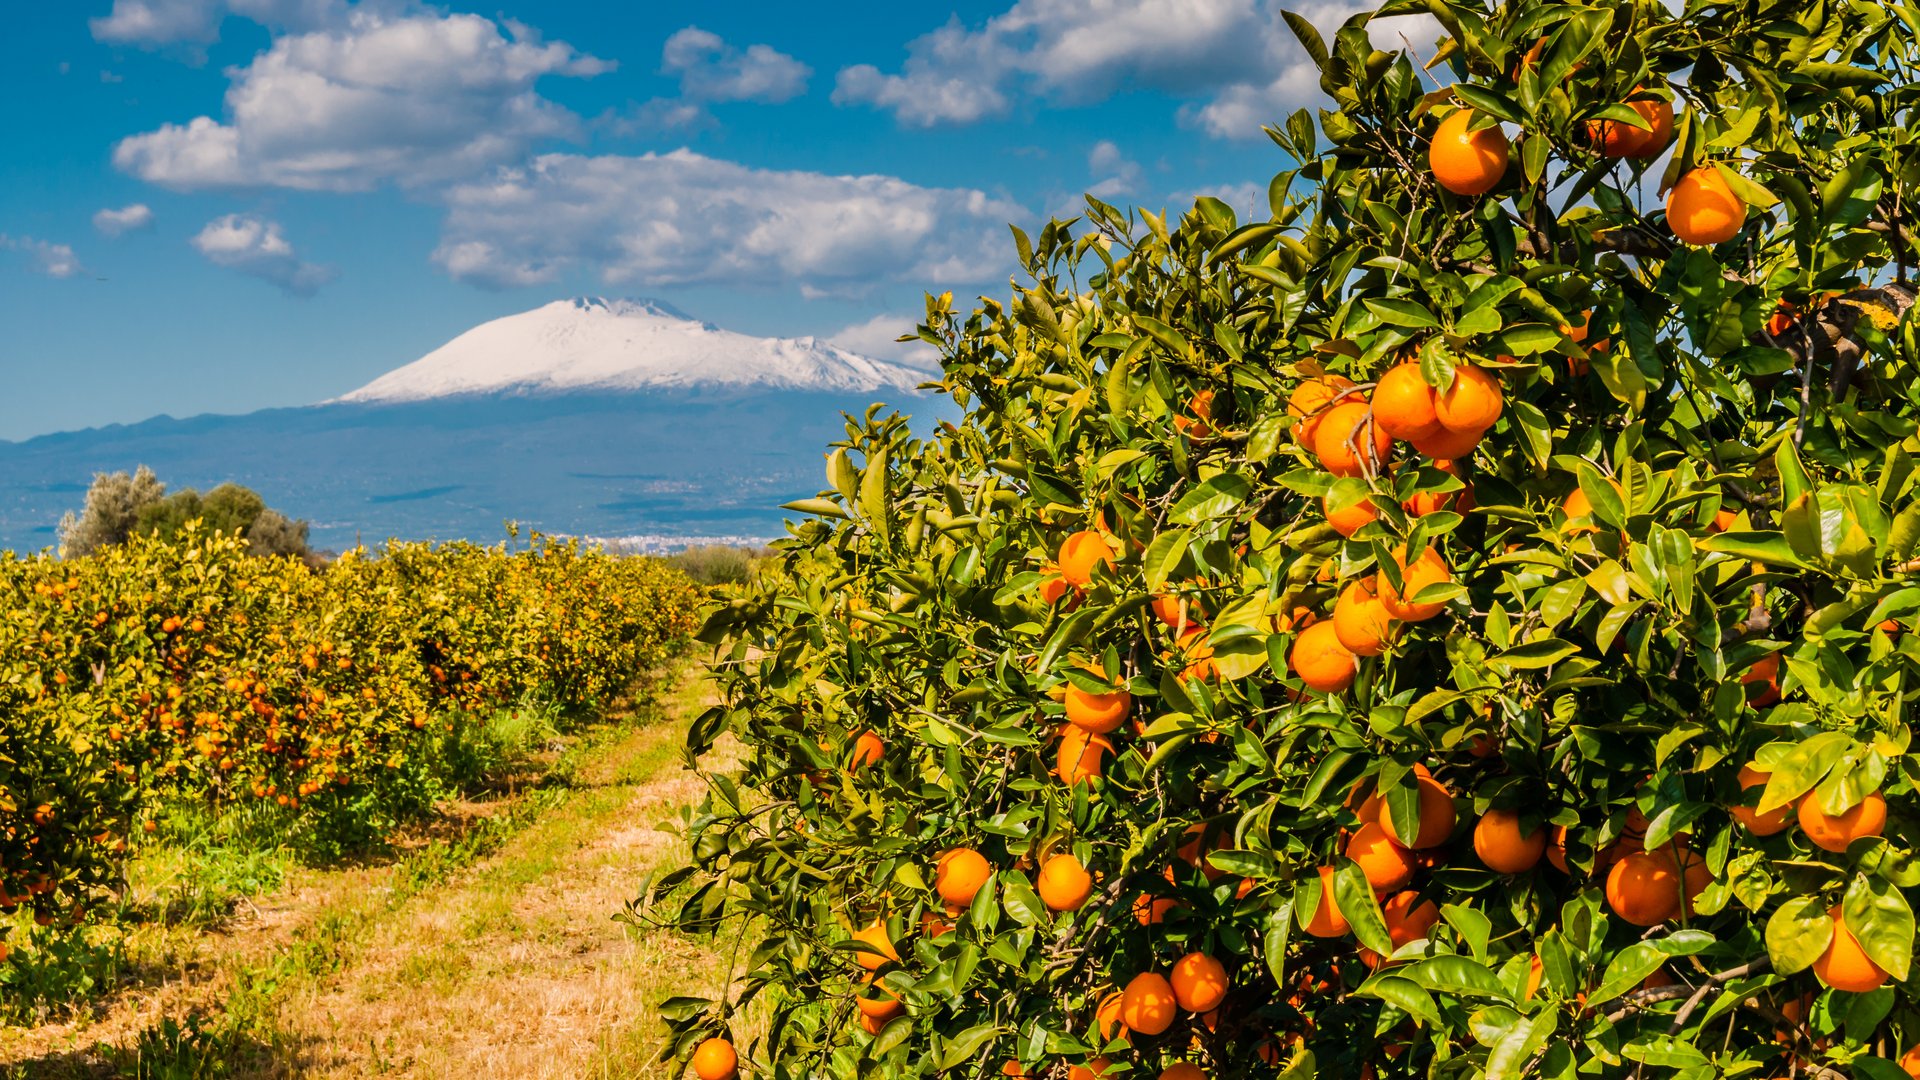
(1469, 155)
(189, 667)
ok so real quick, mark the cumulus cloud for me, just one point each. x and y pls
(711, 70)
(53, 260)
(111, 222)
(257, 247)
(153, 23)
(1114, 173)
(417, 99)
(682, 218)
(878, 338)
(1237, 54)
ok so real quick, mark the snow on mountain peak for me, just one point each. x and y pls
(590, 343)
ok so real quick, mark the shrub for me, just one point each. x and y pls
(716, 564)
(1581, 749)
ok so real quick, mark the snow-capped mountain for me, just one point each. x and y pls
(619, 346)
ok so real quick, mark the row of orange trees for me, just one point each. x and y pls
(192, 669)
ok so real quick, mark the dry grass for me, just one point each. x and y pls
(512, 966)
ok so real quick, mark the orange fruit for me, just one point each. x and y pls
(1053, 587)
(1198, 423)
(1535, 970)
(1183, 1071)
(1910, 1061)
(874, 936)
(1199, 982)
(1498, 841)
(1309, 402)
(1189, 849)
(1403, 403)
(1361, 621)
(1388, 866)
(882, 1008)
(1321, 662)
(1845, 965)
(1097, 713)
(1833, 832)
(1557, 848)
(1436, 816)
(1064, 884)
(1431, 502)
(1724, 520)
(1106, 1018)
(1094, 1069)
(1177, 611)
(1644, 888)
(1702, 208)
(1327, 922)
(1762, 681)
(1082, 755)
(1151, 910)
(1198, 652)
(1429, 569)
(1080, 553)
(1351, 518)
(1149, 1003)
(715, 1060)
(1015, 1070)
(1446, 444)
(1472, 403)
(867, 750)
(1408, 919)
(1349, 443)
(1760, 824)
(959, 875)
(1619, 140)
(1467, 162)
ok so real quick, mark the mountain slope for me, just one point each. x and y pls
(624, 345)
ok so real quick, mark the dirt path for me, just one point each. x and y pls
(510, 965)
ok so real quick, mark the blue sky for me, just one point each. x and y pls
(225, 205)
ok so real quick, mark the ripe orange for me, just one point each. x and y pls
(1309, 402)
(1429, 569)
(1408, 919)
(1015, 1070)
(1845, 965)
(1199, 982)
(1094, 1069)
(1361, 621)
(1321, 662)
(1182, 1071)
(1053, 587)
(1351, 518)
(1762, 681)
(1431, 502)
(1467, 162)
(1498, 841)
(1063, 883)
(1403, 403)
(1190, 848)
(1833, 832)
(1151, 910)
(1080, 553)
(1557, 848)
(883, 1007)
(1106, 1018)
(1177, 611)
(1436, 816)
(1447, 444)
(1472, 403)
(1388, 866)
(1702, 208)
(959, 875)
(1082, 755)
(867, 750)
(1910, 1061)
(1149, 1003)
(1327, 922)
(1619, 140)
(1644, 888)
(1097, 713)
(1198, 652)
(1198, 423)
(1349, 443)
(715, 1060)
(1757, 823)
(874, 937)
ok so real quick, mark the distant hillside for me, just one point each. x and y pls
(706, 443)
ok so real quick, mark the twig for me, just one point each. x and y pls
(1720, 980)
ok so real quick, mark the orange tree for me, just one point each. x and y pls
(1461, 625)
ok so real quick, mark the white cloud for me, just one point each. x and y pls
(127, 219)
(151, 23)
(1114, 173)
(878, 338)
(1238, 54)
(412, 100)
(682, 218)
(712, 70)
(53, 260)
(257, 247)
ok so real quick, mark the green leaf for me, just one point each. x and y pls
(1020, 901)
(1797, 933)
(1803, 766)
(1405, 313)
(1767, 547)
(1218, 497)
(816, 507)
(1164, 556)
(1456, 975)
(1472, 925)
(1509, 1059)
(1880, 918)
(1354, 897)
(1410, 996)
(1274, 941)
